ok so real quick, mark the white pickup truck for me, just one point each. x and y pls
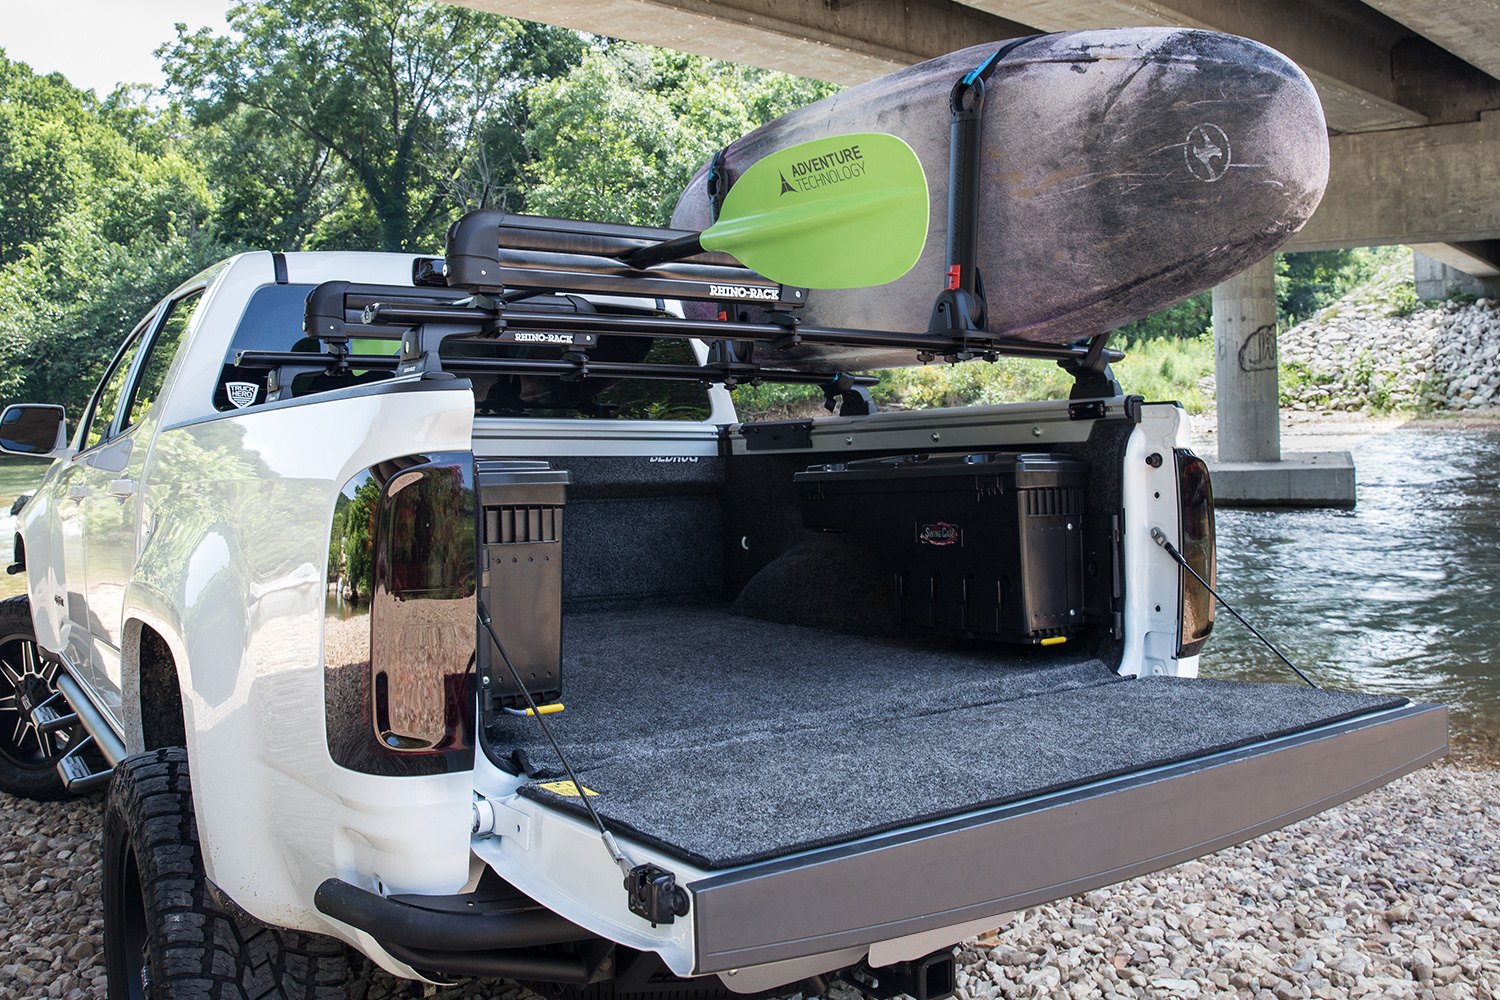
(340, 533)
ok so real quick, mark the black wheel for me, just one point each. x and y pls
(166, 936)
(28, 756)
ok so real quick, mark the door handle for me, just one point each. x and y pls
(122, 488)
(79, 492)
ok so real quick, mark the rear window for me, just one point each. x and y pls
(273, 322)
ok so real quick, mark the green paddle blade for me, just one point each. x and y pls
(847, 211)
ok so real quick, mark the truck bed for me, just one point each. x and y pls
(726, 740)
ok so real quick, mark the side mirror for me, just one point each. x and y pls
(33, 429)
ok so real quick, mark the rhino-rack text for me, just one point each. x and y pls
(744, 292)
(566, 339)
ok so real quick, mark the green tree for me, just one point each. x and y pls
(1310, 280)
(1305, 282)
(1183, 320)
(396, 92)
(350, 551)
(85, 259)
(603, 149)
(274, 189)
(43, 153)
(620, 136)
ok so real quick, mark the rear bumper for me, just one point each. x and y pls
(1027, 853)
(494, 933)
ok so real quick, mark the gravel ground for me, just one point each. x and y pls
(1394, 895)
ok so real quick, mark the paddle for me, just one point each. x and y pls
(846, 211)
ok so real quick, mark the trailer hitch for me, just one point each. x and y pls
(655, 895)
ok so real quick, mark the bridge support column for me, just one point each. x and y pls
(1250, 470)
(1245, 375)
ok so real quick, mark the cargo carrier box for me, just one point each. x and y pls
(986, 545)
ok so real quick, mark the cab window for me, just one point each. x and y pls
(273, 321)
(164, 346)
(106, 403)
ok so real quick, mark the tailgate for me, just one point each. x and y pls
(1053, 845)
(825, 836)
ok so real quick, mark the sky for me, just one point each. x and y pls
(99, 43)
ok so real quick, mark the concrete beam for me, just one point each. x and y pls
(1479, 260)
(1370, 71)
(842, 41)
(1423, 185)
(1346, 50)
(1436, 280)
(1470, 29)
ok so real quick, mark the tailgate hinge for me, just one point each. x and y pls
(493, 818)
(655, 895)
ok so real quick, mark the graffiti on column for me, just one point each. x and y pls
(1258, 352)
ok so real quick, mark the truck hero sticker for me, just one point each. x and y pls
(828, 168)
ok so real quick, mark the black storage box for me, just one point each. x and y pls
(985, 545)
(520, 513)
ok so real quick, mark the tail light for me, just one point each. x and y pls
(399, 632)
(1195, 506)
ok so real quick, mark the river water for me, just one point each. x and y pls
(1397, 595)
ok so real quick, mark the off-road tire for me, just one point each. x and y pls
(27, 766)
(165, 935)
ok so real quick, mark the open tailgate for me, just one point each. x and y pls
(822, 840)
(1034, 851)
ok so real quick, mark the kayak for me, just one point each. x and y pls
(1120, 171)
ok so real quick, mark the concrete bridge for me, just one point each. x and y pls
(1410, 88)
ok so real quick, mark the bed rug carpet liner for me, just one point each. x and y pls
(724, 740)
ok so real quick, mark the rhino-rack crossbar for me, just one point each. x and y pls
(518, 281)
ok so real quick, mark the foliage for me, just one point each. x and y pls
(776, 401)
(620, 136)
(302, 125)
(350, 550)
(1182, 321)
(1308, 281)
(400, 96)
(371, 124)
(79, 267)
(1305, 283)
(1177, 370)
(1296, 377)
(66, 307)
(45, 156)
(1158, 369)
(1404, 300)
(602, 149)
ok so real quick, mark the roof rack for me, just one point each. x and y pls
(519, 280)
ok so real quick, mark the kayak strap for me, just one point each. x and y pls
(984, 69)
(960, 307)
(718, 183)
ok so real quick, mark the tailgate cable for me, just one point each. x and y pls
(1160, 538)
(654, 892)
